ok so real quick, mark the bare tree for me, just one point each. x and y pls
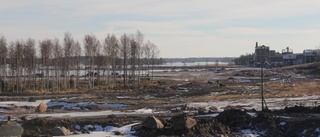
(29, 55)
(58, 62)
(147, 55)
(68, 54)
(78, 52)
(111, 49)
(125, 54)
(92, 47)
(133, 60)
(154, 55)
(46, 47)
(139, 38)
(22, 66)
(3, 59)
(15, 55)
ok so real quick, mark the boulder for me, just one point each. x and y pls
(152, 123)
(234, 118)
(183, 122)
(41, 108)
(31, 99)
(266, 121)
(59, 131)
(202, 111)
(10, 129)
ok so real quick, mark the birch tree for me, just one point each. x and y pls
(3, 62)
(147, 55)
(111, 49)
(139, 38)
(78, 52)
(58, 63)
(125, 55)
(154, 55)
(29, 55)
(46, 47)
(69, 45)
(91, 47)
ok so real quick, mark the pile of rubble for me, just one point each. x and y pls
(181, 125)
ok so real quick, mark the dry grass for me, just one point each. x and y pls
(274, 90)
(295, 89)
(223, 97)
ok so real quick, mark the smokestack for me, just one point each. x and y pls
(256, 44)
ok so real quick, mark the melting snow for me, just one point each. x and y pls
(304, 131)
(252, 133)
(97, 113)
(108, 131)
(2, 118)
(66, 105)
(273, 103)
(22, 103)
(282, 123)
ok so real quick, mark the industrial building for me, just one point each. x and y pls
(263, 54)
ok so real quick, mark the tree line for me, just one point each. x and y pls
(245, 60)
(53, 66)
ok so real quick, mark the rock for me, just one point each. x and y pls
(10, 129)
(31, 99)
(183, 122)
(152, 123)
(316, 109)
(210, 127)
(59, 131)
(202, 111)
(297, 109)
(213, 108)
(118, 133)
(41, 108)
(234, 118)
(266, 121)
(23, 118)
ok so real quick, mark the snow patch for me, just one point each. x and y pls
(95, 113)
(143, 111)
(252, 133)
(77, 127)
(2, 118)
(66, 105)
(22, 103)
(273, 103)
(108, 131)
(304, 132)
(282, 123)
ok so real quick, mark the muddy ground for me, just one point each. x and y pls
(224, 102)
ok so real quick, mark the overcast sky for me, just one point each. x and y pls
(180, 28)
